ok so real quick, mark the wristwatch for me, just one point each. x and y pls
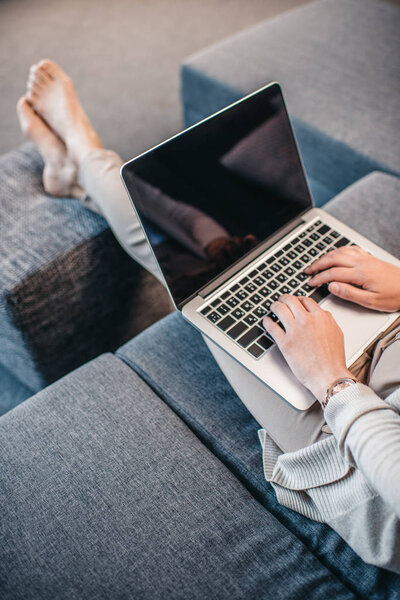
(337, 386)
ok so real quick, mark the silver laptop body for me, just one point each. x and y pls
(254, 151)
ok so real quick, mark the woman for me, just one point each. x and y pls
(360, 445)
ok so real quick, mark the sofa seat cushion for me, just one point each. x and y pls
(338, 63)
(173, 359)
(106, 493)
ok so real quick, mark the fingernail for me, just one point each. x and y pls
(333, 287)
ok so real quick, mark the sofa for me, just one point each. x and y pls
(130, 468)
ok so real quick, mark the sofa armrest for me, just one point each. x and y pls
(66, 287)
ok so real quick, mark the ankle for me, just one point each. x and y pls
(79, 146)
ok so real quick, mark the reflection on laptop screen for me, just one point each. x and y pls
(216, 191)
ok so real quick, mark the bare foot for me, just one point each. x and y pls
(60, 172)
(52, 94)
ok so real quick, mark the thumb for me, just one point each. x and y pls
(352, 293)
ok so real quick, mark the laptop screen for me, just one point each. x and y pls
(213, 193)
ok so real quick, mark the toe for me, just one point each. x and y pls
(26, 115)
(53, 69)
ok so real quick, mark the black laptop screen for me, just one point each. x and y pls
(210, 195)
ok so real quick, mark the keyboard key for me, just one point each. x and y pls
(324, 229)
(305, 258)
(205, 310)
(300, 293)
(287, 247)
(276, 268)
(234, 288)
(284, 261)
(259, 280)
(290, 271)
(265, 342)
(298, 265)
(264, 291)
(317, 223)
(328, 239)
(250, 287)
(275, 297)
(292, 254)
(268, 274)
(270, 260)
(260, 312)
(213, 317)
(216, 302)
(262, 266)
(237, 330)
(241, 295)
(285, 290)
(282, 278)
(256, 298)
(301, 276)
(313, 252)
(299, 248)
(321, 246)
(320, 293)
(296, 240)
(307, 243)
(232, 301)
(225, 295)
(279, 253)
(267, 304)
(334, 234)
(273, 284)
(293, 284)
(250, 319)
(255, 350)
(314, 236)
(226, 323)
(302, 234)
(247, 306)
(343, 241)
(223, 309)
(253, 273)
(244, 280)
(238, 313)
(307, 288)
(250, 336)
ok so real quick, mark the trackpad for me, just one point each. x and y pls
(359, 325)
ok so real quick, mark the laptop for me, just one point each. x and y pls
(229, 216)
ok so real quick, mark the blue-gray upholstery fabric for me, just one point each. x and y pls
(338, 63)
(107, 494)
(175, 362)
(66, 287)
(12, 391)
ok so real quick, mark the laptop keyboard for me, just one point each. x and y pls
(238, 311)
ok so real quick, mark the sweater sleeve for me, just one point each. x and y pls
(367, 430)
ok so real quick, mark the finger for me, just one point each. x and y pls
(344, 274)
(342, 257)
(293, 303)
(283, 313)
(353, 294)
(274, 330)
(309, 304)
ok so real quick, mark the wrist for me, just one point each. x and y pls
(326, 379)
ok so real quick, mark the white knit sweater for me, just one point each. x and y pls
(350, 480)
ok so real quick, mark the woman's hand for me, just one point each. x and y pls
(312, 343)
(355, 275)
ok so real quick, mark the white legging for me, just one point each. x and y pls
(105, 194)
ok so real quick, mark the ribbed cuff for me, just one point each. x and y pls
(345, 407)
